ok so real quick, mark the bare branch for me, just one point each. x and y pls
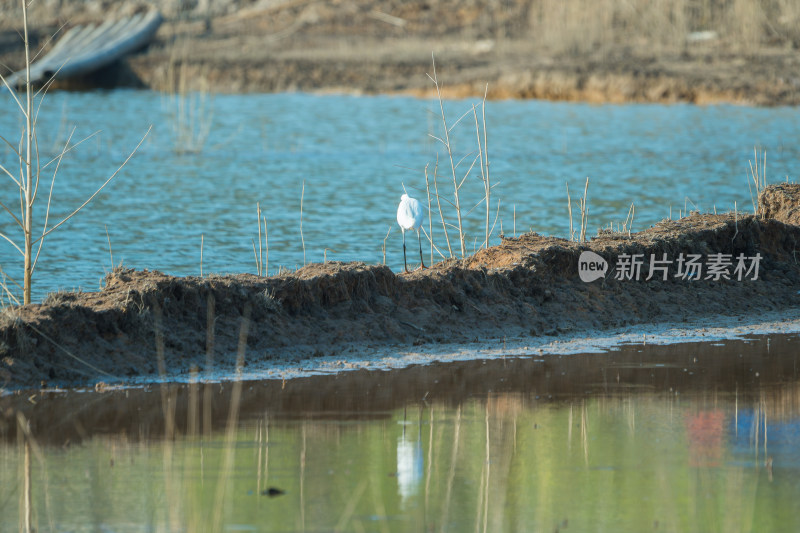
(463, 158)
(13, 94)
(432, 244)
(71, 148)
(459, 119)
(10, 175)
(468, 171)
(46, 87)
(437, 138)
(17, 220)
(38, 164)
(7, 238)
(97, 191)
(4, 286)
(439, 206)
(13, 149)
(50, 199)
(496, 215)
(481, 201)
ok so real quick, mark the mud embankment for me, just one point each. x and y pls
(746, 369)
(148, 323)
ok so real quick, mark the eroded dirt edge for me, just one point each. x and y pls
(146, 324)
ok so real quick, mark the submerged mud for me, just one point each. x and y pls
(149, 323)
(743, 368)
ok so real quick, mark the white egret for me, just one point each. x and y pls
(409, 216)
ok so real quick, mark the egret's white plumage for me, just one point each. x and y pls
(410, 216)
(409, 213)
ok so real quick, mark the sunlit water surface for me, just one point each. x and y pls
(686, 437)
(347, 159)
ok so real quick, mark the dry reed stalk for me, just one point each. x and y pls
(629, 220)
(430, 215)
(258, 224)
(448, 147)
(569, 208)
(584, 211)
(5, 290)
(266, 247)
(28, 193)
(25, 519)
(483, 155)
(384, 244)
(434, 247)
(302, 194)
(167, 404)
(233, 421)
(192, 415)
(452, 470)
(439, 206)
(488, 465)
(758, 175)
(350, 507)
(110, 254)
(26, 440)
(192, 111)
(262, 265)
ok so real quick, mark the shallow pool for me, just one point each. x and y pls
(684, 437)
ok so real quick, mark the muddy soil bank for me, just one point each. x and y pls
(742, 368)
(521, 49)
(149, 323)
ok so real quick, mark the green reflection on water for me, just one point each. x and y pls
(502, 462)
(692, 437)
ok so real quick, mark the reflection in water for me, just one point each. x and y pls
(410, 461)
(704, 430)
(680, 438)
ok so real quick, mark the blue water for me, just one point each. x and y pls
(354, 154)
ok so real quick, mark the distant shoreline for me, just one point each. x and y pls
(357, 48)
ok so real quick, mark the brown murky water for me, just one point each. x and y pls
(684, 437)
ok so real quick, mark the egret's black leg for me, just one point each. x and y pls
(405, 263)
(420, 250)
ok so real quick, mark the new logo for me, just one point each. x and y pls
(591, 266)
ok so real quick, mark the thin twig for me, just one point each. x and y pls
(384, 243)
(110, 254)
(434, 247)
(584, 211)
(569, 208)
(98, 190)
(259, 257)
(302, 194)
(430, 215)
(439, 206)
(266, 246)
(50, 197)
